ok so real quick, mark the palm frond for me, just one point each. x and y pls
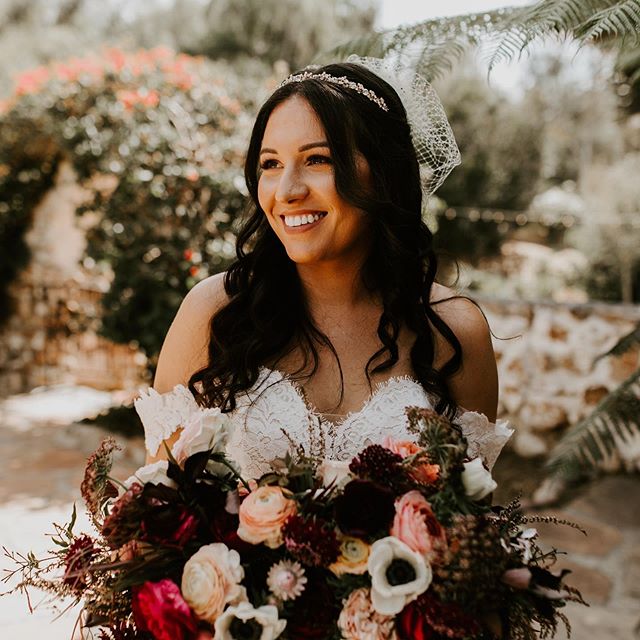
(606, 439)
(626, 343)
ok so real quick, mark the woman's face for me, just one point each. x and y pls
(297, 191)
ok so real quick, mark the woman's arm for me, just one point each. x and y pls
(475, 386)
(185, 347)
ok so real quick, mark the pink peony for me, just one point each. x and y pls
(262, 515)
(416, 525)
(159, 609)
(359, 621)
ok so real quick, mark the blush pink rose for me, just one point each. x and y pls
(263, 513)
(359, 620)
(416, 525)
(159, 609)
(423, 472)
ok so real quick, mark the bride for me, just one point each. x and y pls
(330, 323)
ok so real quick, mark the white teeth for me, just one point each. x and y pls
(297, 221)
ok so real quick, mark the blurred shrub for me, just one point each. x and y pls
(500, 144)
(159, 140)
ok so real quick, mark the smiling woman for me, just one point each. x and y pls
(297, 189)
(330, 314)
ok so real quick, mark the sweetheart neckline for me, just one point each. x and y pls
(313, 411)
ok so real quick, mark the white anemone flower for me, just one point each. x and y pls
(244, 617)
(398, 575)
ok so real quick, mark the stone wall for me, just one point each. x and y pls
(51, 338)
(546, 353)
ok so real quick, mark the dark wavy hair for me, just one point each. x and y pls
(267, 315)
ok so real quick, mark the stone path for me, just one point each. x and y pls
(44, 451)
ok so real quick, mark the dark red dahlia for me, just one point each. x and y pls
(77, 561)
(169, 524)
(364, 509)
(428, 618)
(377, 463)
(312, 541)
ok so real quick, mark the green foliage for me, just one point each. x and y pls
(437, 44)
(625, 344)
(159, 140)
(609, 432)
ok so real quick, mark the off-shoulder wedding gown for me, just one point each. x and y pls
(273, 417)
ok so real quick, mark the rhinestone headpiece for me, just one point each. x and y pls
(343, 81)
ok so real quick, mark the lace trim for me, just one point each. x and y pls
(162, 414)
(274, 418)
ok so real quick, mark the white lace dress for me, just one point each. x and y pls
(273, 417)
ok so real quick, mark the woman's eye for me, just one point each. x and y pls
(268, 164)
(319, 160)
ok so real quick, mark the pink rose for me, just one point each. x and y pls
(359, 620)
(423, 471)
(416, 525)
(159, 609)
(263, 513)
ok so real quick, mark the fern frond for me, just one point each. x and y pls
(626, 343)
(622, 21)
(606, 439)
(547, 17)
(433, 45)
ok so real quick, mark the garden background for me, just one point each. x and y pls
(123, 127)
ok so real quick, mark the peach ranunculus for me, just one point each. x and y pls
(416, 525)
(211, 580)
(353, 558)
(359, 621)
(262, 515)
(422, 472)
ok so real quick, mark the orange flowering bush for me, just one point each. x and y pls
(169, 131)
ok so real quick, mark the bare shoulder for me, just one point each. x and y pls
(185, 347)
(462, 315)
(475, 385)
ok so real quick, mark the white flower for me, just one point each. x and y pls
(154, 473)
(211, 580)
(334, 471)
(264, 619)
(286, 579)
(209, 429)
(398, 575)
(477, 481)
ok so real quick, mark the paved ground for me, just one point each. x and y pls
(44, 451)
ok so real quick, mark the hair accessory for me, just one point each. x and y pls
(431, 133)
(343, 81)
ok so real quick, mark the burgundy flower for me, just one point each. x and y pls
(122, 522)
(315, 611)
(159, 609)
(77, 561)
(169, 524)
(311, 541)
(377, 463)
(428, 618)
(364, 508)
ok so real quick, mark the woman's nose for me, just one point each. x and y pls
(291, 187)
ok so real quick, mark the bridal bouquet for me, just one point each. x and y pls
(399, 543)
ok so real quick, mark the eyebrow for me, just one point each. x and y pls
(304, 147)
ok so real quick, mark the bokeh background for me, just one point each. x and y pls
(123, 127)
